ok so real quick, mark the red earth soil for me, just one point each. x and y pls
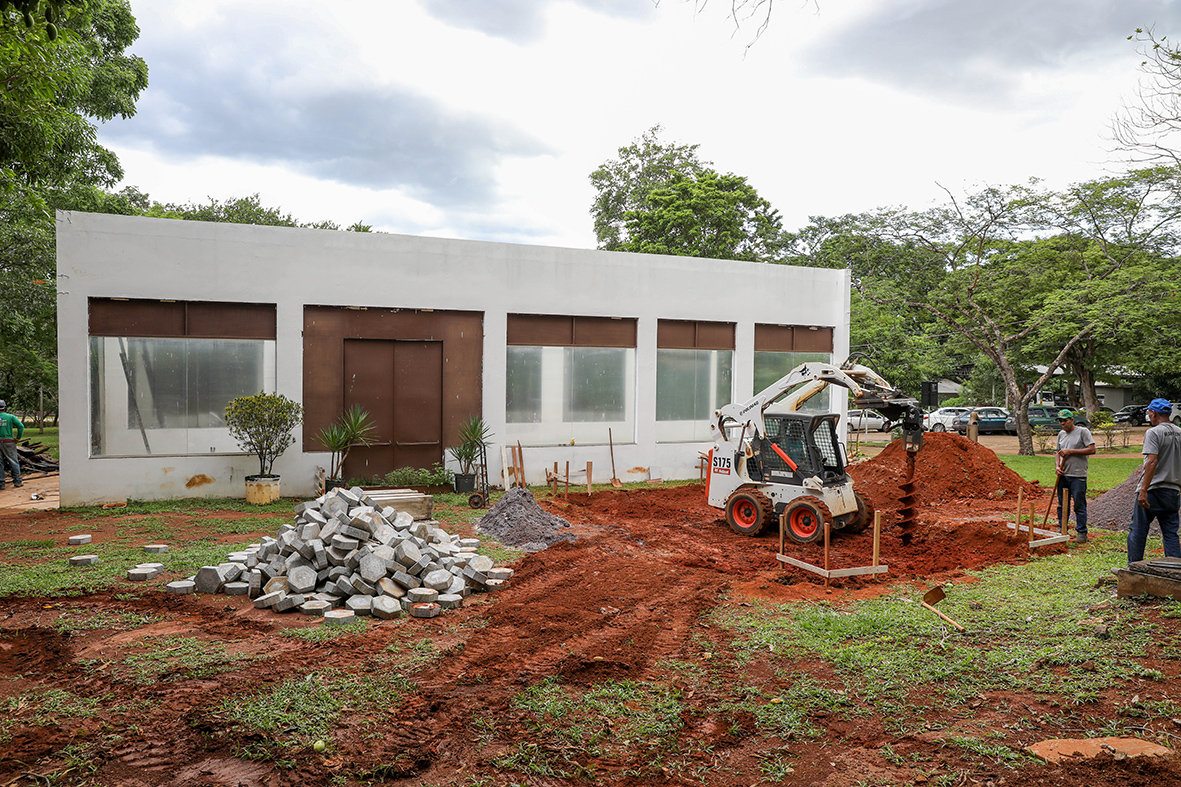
(626, 597)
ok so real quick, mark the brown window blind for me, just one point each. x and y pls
(793, 338)
(553, 330)
(175, 319)
(694, 335)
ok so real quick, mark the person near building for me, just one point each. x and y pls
(11, 430)
(1160, 488)
(1075, 446)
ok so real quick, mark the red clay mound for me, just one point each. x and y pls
(948, 468)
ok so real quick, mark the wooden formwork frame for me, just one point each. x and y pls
(876, 568)
(1047, 536)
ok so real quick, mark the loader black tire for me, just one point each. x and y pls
(805, 519)
(864, 516)
(748, 511)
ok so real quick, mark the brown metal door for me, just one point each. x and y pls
(418, 403)
(400, 384)
(369, 383)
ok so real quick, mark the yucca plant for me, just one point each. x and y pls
(473, 435)
(352, 428)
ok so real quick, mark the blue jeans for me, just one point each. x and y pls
(1076, 487)
(8, 458)
(1162, 506)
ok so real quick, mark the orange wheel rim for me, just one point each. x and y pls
(745, 513)
(803, 522)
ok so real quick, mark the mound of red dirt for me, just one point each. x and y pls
(949, 467)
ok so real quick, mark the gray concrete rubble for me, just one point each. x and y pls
(346, 556)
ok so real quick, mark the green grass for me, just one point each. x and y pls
(284, 507)
(181, 658)
(56, 577)
(1103, 472)
(72, 621)
(301, 711)
(46, 708)
(1026, 632)
(323, 633)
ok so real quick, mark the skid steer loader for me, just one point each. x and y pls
(769, 459)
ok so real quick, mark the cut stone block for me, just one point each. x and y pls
(502, 574)
(360, 605)
(76, 541)
(481, 563)
(422, 595)
(372, 568)
(338, 617)
(450, 600)
(344, 544)
(155, 549)
(276, 585)
(496, 584)
(141, 574)
(315, 607)
(210, 579)
(230, 571)
(361, 586)
(385, 608)
(236, 588)
(388, 587)
(181, 587)
(469, 543)
(407, 553)
(301, 579)
(308, 532)
(288, 602)
(474, 577)
(255, 584)
(424, 610)
(405, 580)
(268, 599)
(83, 560)
(440, 579)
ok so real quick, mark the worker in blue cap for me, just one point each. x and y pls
(1160, 488)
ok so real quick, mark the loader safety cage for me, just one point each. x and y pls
(820, 456)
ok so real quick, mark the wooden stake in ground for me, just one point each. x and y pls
(877, 535)
(1019, 507)
(615, 482)
(567, 478)
(588, 478)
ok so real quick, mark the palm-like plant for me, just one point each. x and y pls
(352, 428)
(473, 435)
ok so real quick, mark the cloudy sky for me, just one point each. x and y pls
(482, 119)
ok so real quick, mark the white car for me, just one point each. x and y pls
(865, 420)
(941, 419)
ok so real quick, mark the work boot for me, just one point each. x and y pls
(1080, 538)
(18, 484)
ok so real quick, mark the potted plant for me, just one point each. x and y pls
(473, 438)
(262, 425)
(352, 428)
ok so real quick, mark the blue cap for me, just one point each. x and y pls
(1160, 406)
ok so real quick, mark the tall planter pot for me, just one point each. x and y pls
(465, 482)
(262, 489)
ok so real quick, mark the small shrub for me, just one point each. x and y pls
(415, 476)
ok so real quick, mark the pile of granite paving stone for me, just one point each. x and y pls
(346, 556)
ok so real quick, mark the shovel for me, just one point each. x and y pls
(933, 597)
(615, 482)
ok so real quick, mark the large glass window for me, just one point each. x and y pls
(690, 385)
(770, 366)
(168, 396)
(559, 395)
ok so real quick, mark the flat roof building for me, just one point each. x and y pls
(161, 322)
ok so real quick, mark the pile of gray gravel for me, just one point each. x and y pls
(517, 521)
(1112, 510)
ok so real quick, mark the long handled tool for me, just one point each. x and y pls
(933, 597)
(1056, 496)
(615, 482)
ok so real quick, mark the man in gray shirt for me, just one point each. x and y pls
(1075, 446)
(1160, 489)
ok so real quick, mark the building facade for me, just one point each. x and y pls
(161, 322)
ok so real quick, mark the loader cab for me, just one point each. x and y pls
(809, 440)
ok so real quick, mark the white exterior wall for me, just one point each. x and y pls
(108, 256)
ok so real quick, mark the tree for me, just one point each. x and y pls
(239, 210)
(711, 215)
(1147, 129)
(624, 184)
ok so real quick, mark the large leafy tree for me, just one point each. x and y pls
(624, 184)
(57, 80)
(711, 215)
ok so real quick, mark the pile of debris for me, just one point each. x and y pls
(517, 521)
(35, 457)
(346, 551)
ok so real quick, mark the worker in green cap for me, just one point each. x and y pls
(1075, 446)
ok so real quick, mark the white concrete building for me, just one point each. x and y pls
(161, 322)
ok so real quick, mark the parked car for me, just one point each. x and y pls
(990, 419)
(1132, 414)
(941, 419)
(1045, 416)
(864, 420)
